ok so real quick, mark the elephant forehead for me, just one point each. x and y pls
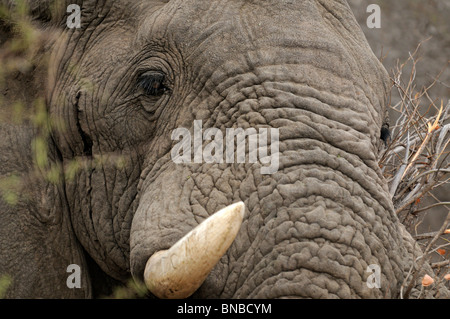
(218, 29)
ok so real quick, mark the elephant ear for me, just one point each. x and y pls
(38, 247)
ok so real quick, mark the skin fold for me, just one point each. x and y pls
(310, 230)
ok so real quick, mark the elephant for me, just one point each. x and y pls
(98, 186)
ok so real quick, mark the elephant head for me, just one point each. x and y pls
(117, 88)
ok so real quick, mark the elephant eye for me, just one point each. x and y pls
(152, 83)
(385, 134)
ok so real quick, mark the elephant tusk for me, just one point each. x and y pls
(179, 271)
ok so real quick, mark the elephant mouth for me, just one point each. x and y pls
(179, 271)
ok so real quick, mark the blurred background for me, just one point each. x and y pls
(404, 25)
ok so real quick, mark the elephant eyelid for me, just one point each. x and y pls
(152, 83)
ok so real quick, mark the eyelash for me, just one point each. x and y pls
(152, 83)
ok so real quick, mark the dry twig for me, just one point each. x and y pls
(416, 162)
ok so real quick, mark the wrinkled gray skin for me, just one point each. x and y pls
(304, 67)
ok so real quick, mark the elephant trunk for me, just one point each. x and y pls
(315, 228)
